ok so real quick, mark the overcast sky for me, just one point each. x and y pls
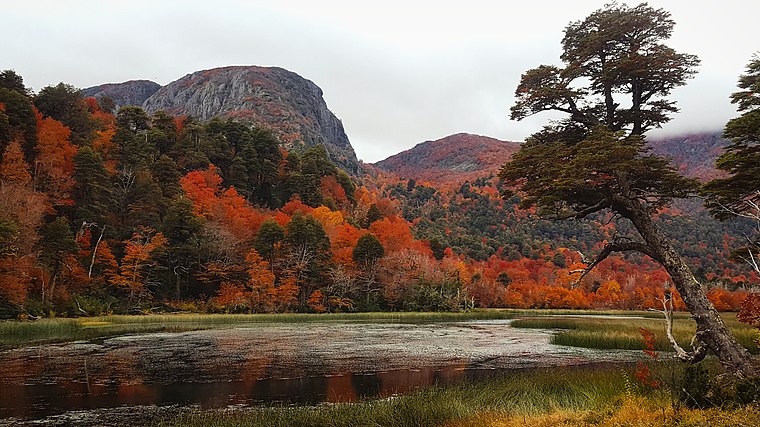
(395, 72)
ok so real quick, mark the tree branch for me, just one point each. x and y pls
(604, 203)
(617, 245)
(699, 349)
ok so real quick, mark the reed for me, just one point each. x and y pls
(618, 333)
(524, 393)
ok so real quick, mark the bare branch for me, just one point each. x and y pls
(699, 349)
(604, 203)
(617, 245)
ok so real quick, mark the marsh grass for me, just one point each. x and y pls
(14, 333)
(524, 393)
(619, 333)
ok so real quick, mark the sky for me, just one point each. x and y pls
(396, 73)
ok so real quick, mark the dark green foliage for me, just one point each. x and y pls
(269, 238)
(164, 123)
(136, 141)
(307, 232)
(167, 176)
(17, 120)
(748, 391)
(368, 250)
(106, 104)
(12, 81)
(65, 103)
(133, 119)
(147, 203)
(348, 185)
(308, 253)
(373, 214)
(8, 237)
(437, 247)
(56, 243)
(184, 252)
(93, 191)
(739, 193)
(573, 180)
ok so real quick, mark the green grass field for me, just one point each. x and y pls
(619, 333)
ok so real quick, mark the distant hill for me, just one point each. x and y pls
(693, 154)
(133, 92)
(461, 157)
(271, 97)
(455, 158)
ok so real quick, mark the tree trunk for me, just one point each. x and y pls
(710, 327)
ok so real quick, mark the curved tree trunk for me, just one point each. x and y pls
(710, 327)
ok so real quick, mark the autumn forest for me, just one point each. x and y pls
(106, 210)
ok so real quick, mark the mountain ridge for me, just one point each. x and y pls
(272, 97)
(464, 157)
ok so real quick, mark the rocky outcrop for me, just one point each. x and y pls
(133, 92)
(455, 158)
(274, 98)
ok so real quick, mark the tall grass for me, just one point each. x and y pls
(14, 333)
(615, 333)
(525, 393)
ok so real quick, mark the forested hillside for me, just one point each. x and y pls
(124, 211)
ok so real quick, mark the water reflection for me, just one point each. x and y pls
(266, 364)
(30, 401)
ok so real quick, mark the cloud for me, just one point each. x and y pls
(397, 73)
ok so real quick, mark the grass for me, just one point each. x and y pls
(524, 393)
(15, 333)
(587, 396)
(615, 333)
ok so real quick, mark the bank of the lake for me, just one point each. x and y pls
(598, 396)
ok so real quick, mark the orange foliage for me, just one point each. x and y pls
(295, 205)
(55, 159)
(316, 301)
(330, 188)
(261, 290)
(13, 168)
(395, 235)
(138, 252)
(201, 187)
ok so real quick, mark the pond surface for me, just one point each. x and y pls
(260, 364)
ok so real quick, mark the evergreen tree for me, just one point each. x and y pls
(183, 230)
(738, 195)
(12, 81)
(18, 113)
(596, 159)
(56, 244)
(65, 103)
(269, 238)
(367, 251)
(93, 191)
(167, 176)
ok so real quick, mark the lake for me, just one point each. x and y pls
(265, 364)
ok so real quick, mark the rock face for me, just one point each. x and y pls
(455, 158)
(275, 98)
(133, 92)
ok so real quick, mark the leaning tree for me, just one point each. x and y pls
(613, 82)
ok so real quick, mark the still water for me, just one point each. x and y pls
(262, 364)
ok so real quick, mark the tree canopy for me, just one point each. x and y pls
(596, 158)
